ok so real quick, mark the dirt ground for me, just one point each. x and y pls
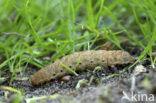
(104, 88)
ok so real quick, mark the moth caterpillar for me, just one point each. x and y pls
(87, 59)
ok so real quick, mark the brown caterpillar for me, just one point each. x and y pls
(87, 59)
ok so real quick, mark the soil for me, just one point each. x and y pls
(105, 87)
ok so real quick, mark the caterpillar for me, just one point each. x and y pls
(84, 59)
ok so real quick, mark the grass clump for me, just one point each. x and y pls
(33, 29)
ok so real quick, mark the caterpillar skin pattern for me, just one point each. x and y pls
(85, 59)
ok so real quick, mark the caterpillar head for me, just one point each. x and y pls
(119, 57)
(126, 58)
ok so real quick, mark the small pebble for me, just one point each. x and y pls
(139, 69)
(66, 78)
(154, 54)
